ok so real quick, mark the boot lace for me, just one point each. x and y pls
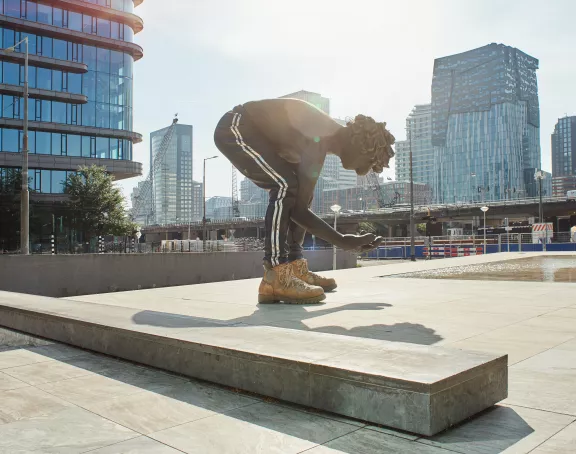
(305, 272)
(288, 279)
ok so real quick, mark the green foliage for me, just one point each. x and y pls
(10, 186)
(367, 227)
(421, 228)
(97, 206)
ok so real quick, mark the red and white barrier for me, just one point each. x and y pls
(453, 251)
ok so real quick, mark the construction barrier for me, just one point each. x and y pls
(452, 251)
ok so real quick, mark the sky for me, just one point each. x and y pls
(375, 57)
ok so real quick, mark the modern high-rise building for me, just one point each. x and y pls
(364, 198)
(80, 107)
(564, 156)
(219, 207)
(485, 125)
(250, 193)
(333, 176)
(419, 128)
(172, 179)
(336, 176)
(253, 200)
(313, 98)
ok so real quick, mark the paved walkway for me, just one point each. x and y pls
(62, 400)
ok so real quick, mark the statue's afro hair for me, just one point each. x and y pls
(373, 139)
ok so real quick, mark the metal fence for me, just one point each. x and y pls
(391, 248)
(454, 246)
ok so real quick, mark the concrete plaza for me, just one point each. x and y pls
(59, 399)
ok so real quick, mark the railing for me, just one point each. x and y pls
(391, 248)
(349, 213)
(399, 248)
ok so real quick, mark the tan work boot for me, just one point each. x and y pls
(301, 271)
(280, 284)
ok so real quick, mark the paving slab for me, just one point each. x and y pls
(546, 381)
(564, 442)
(138, 445)
(501, 429)
(7, 382)
(171, 407)
(365, 441)
(70, 431)
(254, 429)
(415, 388)
(28, 402)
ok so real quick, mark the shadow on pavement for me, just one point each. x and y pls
(295, 317)
(490, 432)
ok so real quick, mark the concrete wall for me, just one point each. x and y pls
(70, 275)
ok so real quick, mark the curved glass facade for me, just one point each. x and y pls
(107, 84)
(58, 17)
(57, 144)
(41, 181)
(120, 5)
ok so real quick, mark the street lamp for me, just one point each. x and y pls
(484, 210)
(539, 176)
(336, 209)
(25, 196)
(204, 204)
(412, 240)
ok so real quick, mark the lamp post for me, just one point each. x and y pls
(412, 239)
(336, 209)
(25, 195)
(484, 210)
(539, 177)
(204, 205)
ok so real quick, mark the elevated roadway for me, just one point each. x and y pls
(398, 215)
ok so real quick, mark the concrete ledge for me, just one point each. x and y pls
(415, 388)
(70, 275)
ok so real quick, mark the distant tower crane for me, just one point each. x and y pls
(147, 199)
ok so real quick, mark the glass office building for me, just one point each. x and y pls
(81, 57)
(485, 125)
(419, 127)
(564, 156)
(173, 186)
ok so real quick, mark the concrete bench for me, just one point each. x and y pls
(415, 388)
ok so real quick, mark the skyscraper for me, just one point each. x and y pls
(313, 98)
(173, 186)
(564, 156)
(419, 127)
(80, 108)
(485, 125)
(333, 175)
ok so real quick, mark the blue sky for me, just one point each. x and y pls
(203, 57)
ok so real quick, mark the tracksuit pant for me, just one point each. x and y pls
(255, 157)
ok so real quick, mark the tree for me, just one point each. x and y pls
(96, 205)
(10, 186)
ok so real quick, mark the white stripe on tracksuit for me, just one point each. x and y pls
(281, 182)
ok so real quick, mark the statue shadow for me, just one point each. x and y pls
(295, 317)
